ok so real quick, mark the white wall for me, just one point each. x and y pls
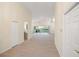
(12, 13)
(59, 27)
(43, 21)
(52, 25)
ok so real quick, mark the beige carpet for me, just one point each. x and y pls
(41, 45)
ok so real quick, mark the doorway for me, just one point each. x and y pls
(15, 33)
(25, 30)
(41, 29)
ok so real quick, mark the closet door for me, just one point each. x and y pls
(72, 32)
(15, 33)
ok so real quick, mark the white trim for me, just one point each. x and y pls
(5, 50)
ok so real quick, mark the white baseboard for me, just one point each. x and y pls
(5, 50)
(58, 50)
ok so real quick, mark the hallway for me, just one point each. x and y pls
(41, 45)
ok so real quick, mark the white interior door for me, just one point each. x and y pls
(72, 32)
(15, 33)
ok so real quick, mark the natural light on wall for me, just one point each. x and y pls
(53, 19)
(25, 23)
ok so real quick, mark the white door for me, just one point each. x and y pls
(15, 33)
(72, 32)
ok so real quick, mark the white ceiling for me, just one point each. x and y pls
(41, 9)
